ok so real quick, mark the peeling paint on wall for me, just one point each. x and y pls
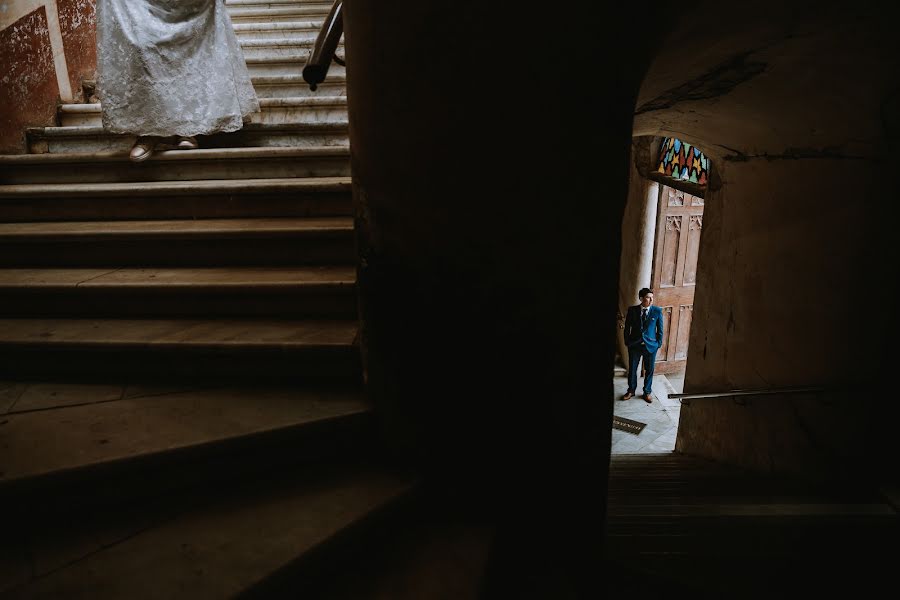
(27, 78)
(47, 47)
(23, 61)
(77, 20)
(20, 8)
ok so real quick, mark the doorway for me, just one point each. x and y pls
(661, 232)
(678, 228)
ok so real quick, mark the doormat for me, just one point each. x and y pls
(628, 425)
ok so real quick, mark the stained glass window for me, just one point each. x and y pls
(683, 161)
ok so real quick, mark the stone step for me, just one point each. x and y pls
(195, 242)
(176, 165)
(107, 431)
(290, 63)
(287, 86)
(291, 85)
(218, 199)
(741, 523)
(232, 349)
(92, 138)
(282, 45)
(321, 5)
(277, 13)
(304, 28)
(261, 539)
(289, 292)
(302, 109)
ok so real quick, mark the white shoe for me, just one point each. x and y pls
(187, 143)
(142, 149)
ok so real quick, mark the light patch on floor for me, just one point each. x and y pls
(661, 417)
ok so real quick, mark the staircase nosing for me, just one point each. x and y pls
(168, 286)
(278, 42)
(98, 130)
(182, 188)
(199, 154)
(171, 235)
(177, 279)
(344, 328)
(333, 78)
(277, 59)
(279, 26)
(285, 101)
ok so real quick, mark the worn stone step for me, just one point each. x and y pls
(258, 3)
(176, 165)
(92, 138)
(107, 429)
(287, 86)
(233, 349)
(277, 13)
(268, 63)
(290, 292)
(291, 85)
(666, 508)
(304, 28)
(767, 533)
(194, 242)
(253, 47)
(262, 537)
(320, 108)
(285, 64)
(219, 199)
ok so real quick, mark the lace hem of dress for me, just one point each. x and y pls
(171, 68)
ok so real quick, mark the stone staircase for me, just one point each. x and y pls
(181, 404)
(679, 526)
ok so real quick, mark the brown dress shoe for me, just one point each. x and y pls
(628, 396)
(647, 398)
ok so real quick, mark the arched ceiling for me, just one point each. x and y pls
(779, 81)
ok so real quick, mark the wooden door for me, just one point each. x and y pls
(678, 227)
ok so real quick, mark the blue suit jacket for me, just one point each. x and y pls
(651, 334)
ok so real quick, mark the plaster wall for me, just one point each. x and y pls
(46, 48)
(78, 27)
(798, 106)
(638, 231)
(790, 258)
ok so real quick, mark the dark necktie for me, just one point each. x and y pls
(643, 317)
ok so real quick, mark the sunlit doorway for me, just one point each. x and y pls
(661, 239)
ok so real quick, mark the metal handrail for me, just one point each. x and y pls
(322, 54)
(761, 392)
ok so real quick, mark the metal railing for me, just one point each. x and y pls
(323, 51)
(735, 394)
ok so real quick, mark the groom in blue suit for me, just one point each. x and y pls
(643, 337)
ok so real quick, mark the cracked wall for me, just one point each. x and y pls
(789, 262)
(796, 106)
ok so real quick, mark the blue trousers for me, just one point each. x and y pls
(635, 353)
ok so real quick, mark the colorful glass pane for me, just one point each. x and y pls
(682, 160)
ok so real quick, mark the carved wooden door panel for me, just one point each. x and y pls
(678, 227)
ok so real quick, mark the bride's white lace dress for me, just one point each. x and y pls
(170, 67)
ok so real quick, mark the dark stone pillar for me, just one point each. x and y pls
(489, 187)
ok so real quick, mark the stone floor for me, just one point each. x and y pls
(661, 416)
